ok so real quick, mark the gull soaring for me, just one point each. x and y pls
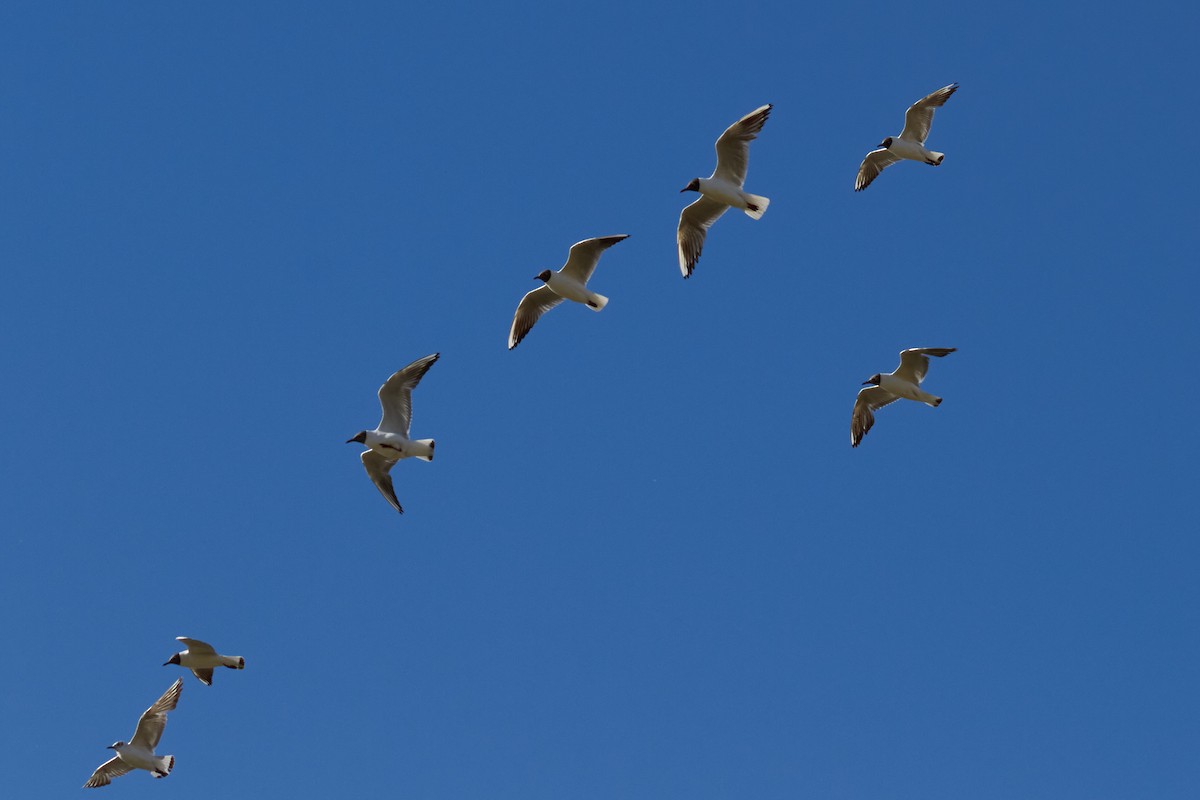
(910, 144)
(569, 283)
(139, 752)
(883, 389)
(201, 659)
(721, 190)
(389, 443)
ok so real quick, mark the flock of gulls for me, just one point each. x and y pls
(389, 442)
(138, 752)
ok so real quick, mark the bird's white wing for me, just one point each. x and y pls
(914, 362)
(919, 116)
(585, 255)
(196, 646)
(203, 674)
(396, 395)
(869, 400)
(530, 310)
(113, 768)
(733, 147)
(379, 471)
(875, 162)
(150, 726)
(694, 222)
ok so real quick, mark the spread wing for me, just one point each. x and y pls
(694, 222)
(379, 471)
(396, 395)
(869, 400)
(919, 116)
(875, 162)
(585, 255)
(530, 310)
(150, 726)
(196, 646)
(914, 362)
(113, 768)
(733, 148)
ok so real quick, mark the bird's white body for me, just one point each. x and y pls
(915, 151)
(569, 288)
(141, 758)
(394, 446)
(908, 390)
(730, 194)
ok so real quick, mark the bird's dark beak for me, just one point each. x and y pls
(165, 663)
(537, 277)
(866, 383)
(684, 189)
(110, 747)
(348, 441)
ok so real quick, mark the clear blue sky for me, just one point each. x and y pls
(646, 562)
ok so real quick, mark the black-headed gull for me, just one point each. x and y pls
(722, 189)
(883, 389)
(569, 283)
(389, 443)
(910, 143)
(201, 658)
(139, 752)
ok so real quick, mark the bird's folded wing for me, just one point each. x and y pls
(195, 645)
(733, 147)
(378, 470)
(875, 162)
(694, 222)
(585, 255)
(529, 311)
(869, 400)
(150, 726)
(113, 768)
(396, 395)
(919, 116)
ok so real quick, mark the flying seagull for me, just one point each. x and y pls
(910, 143)
(201, 658)
(569, 283)
(883, 389)
(722, 189)
(389, 443)
(139, 752)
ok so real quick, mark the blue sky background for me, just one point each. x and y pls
(646, 562)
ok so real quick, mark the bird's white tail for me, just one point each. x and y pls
(164, 767)
(234, 662)
(424, 444)
(937, 157)
(758, 205)
(597, 301)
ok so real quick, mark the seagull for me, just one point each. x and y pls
(200, 658)
(389, 443)
(569, 283)
(139, 753)
(883, 389)
(910, 143)
(722, 189)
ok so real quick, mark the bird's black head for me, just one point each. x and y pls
(173, 660)
(694, 186)
(542, 276)
(360, 437)
(874, 379)
(886, 143)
